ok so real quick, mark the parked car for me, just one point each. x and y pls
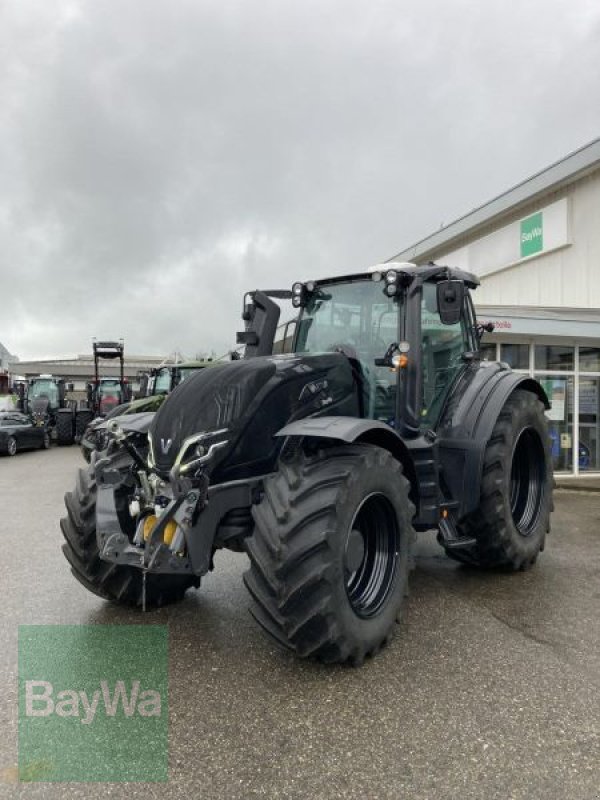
(18, 432)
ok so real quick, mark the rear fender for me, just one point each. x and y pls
(467, 425)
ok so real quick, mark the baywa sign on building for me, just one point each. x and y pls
(532, 235)
(93, 703)
(542, 232)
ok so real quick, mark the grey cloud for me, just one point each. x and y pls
(161, 159)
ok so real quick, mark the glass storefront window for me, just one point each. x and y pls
(589, 424)
(515, 355)
(488, 352)
(589, 359)
(568, 423)
(554, 356)
(560, 420)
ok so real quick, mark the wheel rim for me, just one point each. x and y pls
(46, 441)
(527, 481)
(12, 447)
(370, 555)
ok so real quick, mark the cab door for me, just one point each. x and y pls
(442, 350)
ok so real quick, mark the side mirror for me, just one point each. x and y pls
(450, 299)
(260, 330)
(248, 307)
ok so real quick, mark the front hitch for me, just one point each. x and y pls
(160, 542)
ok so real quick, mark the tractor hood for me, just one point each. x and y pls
(39, 406)
(247, 402)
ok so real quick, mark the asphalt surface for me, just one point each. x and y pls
(489, 689)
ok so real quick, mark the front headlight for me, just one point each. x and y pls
(196, 450)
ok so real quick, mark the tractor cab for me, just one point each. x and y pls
(45, 395)
(164, 379)
(110, 393)
(409, 333)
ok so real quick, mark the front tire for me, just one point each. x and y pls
(11, 446)
(329, 556)
(513, 517)
(117, 583)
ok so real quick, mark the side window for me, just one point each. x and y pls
(442, 347)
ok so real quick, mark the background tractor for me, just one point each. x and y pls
(162, 380)
(106, 393)
(322, 464)
(47, 400)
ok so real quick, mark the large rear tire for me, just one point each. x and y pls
(329, 556)
(82, 420)
(114, 582)
(64, 428)
(513, 516)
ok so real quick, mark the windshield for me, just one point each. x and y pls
(45, 389)
(185, 372)
(162, 381)
(109, 388)
(360, 321)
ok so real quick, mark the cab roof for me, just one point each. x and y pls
(427, 272)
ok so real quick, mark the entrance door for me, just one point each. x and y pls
(589, 424)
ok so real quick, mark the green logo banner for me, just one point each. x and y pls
(93, 703)
(532, 235)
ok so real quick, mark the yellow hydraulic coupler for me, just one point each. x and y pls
(169, 532)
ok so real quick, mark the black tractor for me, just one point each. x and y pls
(323, 463)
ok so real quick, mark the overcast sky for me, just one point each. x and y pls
(158, 159)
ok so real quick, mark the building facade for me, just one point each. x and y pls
(536, 250)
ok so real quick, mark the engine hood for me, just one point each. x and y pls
(39, 406)
(252, 399)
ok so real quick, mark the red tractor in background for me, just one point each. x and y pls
(104, 394)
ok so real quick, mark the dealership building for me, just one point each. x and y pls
(536, 250)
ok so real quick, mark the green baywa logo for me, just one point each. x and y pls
(88, 695)
(42, 701)
(534, 233)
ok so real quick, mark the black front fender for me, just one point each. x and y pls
(346, 429)
(355, 430)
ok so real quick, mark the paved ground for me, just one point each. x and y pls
(490, 689)
(583, 483)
